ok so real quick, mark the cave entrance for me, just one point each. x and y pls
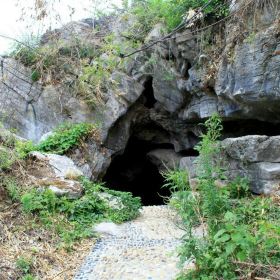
(133, 172)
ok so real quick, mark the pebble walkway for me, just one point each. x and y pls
(143, 249)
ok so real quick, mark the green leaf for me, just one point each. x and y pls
(230, 217)
(237, 237)
(241, 256)
(224, 238)
(219, 233)
(230, 247)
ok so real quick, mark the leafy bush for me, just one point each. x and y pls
(130, 205)
(23, 148)
(243, 234)
(183, 199)
(239, 188)
(35, 201)
(24, 264)
(207, 164)
(172, 12)
(130, 209)
(6, 158)
(12, 188)
(78, 216)
(65, 137)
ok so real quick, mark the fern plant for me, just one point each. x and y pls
(65, 137)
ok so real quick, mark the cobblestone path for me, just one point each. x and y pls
(143, 249)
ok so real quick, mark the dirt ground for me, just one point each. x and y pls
(22, 236)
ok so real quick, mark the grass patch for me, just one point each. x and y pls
(44, 234)
(73, 219)
(63, 139)
(170, 12)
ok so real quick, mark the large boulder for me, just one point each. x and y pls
(255, 157)
(253, 148)
(164, 159)
(55, 172)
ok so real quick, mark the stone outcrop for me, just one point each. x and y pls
(164, 159)
(256, 158)
(162, 95)
(55, 172)
(33, 110)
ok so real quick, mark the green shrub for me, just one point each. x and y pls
(65, 137)
(243, 234)
(24, 264)
(78, 216)
(131, 205)
(130, 209)
(6, 158)
(12, 187)
(239, 188)
(150, 12)
(23, 148)
(182, 199)
(36, 201)
(207, 164)
(176, 180)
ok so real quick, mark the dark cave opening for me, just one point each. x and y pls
(133, 172)
(148, 94)
(238, 128)
(189, 153)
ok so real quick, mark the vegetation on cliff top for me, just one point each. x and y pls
(86, 67)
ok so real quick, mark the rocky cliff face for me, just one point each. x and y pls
(163, 93)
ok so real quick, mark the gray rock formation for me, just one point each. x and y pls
(250, 77)
(32, 110)
(57, 173)
(162, 94)
(256, 158)
(164, 159)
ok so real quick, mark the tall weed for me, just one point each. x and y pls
(243, 233)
